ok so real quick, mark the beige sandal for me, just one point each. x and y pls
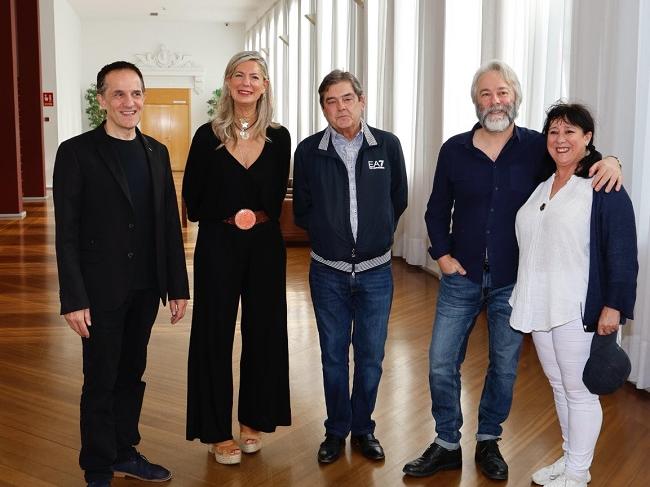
(250, 442)
(226, 452)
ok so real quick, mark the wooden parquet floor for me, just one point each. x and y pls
(40, 381)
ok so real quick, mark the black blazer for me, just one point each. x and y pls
(95, 240)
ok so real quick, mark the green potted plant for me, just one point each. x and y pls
(96, 115)
(212, 102)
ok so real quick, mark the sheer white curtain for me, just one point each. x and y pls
(411, 241)
(532, 36)
(462, 58)
(416, 59)
(380, 65)
(611, 74)
(392, 78)
(394, 48)
(286, 36)
(636, 336)
(336, 40)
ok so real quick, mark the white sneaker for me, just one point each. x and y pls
(549, 473)
(564, 481)
(546, 475)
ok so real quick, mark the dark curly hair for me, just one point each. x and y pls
(578, 115)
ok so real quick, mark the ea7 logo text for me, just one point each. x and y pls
(376, 164)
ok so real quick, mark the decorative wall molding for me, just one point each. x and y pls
(167, 63)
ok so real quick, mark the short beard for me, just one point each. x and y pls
(497, 125)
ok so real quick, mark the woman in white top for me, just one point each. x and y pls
(577, 275)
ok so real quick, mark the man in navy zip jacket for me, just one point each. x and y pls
(482, 179)
(349, 190)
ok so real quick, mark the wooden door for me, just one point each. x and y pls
(166, 117)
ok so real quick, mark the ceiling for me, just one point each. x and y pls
(243, 11)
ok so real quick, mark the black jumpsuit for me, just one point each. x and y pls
(230, 264)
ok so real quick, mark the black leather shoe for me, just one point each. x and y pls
(369, 446)
(138, 467)
(330, 449)
(434, 458)
(489, 459)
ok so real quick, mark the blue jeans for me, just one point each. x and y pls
(340, 299)
(459, 303)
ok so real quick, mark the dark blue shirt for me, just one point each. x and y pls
(480, 198)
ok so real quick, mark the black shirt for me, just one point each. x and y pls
(133, 159)
(216, 185)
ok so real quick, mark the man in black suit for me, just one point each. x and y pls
(119, 251)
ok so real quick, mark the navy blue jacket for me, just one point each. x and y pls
(613, 264)
(321, 196)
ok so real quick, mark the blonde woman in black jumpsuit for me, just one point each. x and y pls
(234, 184)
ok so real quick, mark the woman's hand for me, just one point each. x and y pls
(609, 321)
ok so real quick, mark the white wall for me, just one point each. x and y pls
(60, 74)
(209, 44)
(73, 50)
(67, 46)
(48, 84)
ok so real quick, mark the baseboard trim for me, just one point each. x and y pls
(13, 216)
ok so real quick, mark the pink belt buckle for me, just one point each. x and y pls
(245, 219)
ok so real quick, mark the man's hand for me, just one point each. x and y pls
(606, 172)
(449, 265)
(177, 309)
(79, 321)
(609, 321)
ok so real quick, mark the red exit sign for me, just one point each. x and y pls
(48, 99)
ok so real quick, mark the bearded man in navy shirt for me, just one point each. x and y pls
(482, 178)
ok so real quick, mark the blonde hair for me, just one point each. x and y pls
(223, 123)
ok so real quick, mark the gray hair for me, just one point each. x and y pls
(507, 73)
(338, 76)
(223, 123)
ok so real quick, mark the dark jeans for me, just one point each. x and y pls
(340, 299)
(114, 359)
(459, 302)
